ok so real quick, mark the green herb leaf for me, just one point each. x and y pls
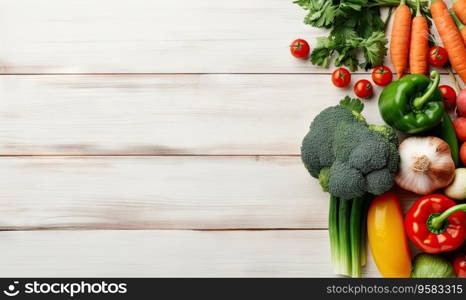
(374, 49)
(323, 53)
(321, 12)
(357, 30)
(353, 104)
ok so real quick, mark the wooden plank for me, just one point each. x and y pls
(159, 193)
(164, 114)
(163, 36)
(137, 36)
(167, 254)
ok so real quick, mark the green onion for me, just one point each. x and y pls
(347, 234)
(365, 209)
(344, 237)
(355, 236)
(333, 234)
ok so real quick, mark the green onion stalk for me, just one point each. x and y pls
(347, 234)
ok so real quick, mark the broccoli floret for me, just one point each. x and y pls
(321, 156)
(386, 131)
(393, 162)
(378, 181)
(346, 181)
(349, 157)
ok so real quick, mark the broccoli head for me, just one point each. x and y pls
(350, 157)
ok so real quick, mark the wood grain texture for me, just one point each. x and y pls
(160, 193)
(199, 124)
(183, 36)
(302, 253)
(163, 36)
(164, 114)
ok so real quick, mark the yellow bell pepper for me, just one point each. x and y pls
(387, 237)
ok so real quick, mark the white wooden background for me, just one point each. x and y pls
(159, 138)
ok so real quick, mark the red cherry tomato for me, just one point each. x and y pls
(341, 77)
(382, 75)
(460, 128)
(460, 266)
(463, 153)
(363, 88)
(448, 95)
(438, 56)
(300, 48)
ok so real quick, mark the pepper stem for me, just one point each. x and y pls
(420, 101)
(437, 222)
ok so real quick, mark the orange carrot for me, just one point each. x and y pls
(451, 37)
(401, 33)
(460, 9)
(419, 46)
(459, 24)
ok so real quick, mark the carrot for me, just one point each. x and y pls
(451, 37)
(459, 24)
(460, 9)
(401, 33)
(419, 43)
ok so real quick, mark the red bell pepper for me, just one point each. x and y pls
(460, 266)
(436, 224)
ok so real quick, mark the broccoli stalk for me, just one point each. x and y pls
(353, 161)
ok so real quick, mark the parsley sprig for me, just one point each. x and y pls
(356, 29)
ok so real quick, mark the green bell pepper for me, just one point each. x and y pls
(412, 104)
(446, 131)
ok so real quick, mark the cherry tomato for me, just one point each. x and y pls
(463, 153)
(460, 266)
(438, 56)
(300, 48)
(341, 77)
(382, 75)
(460, 128)
(448, 95)
(363, 88)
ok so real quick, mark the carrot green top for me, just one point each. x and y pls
(418, 8)
(457, 20)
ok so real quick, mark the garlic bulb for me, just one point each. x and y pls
(426, 165)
